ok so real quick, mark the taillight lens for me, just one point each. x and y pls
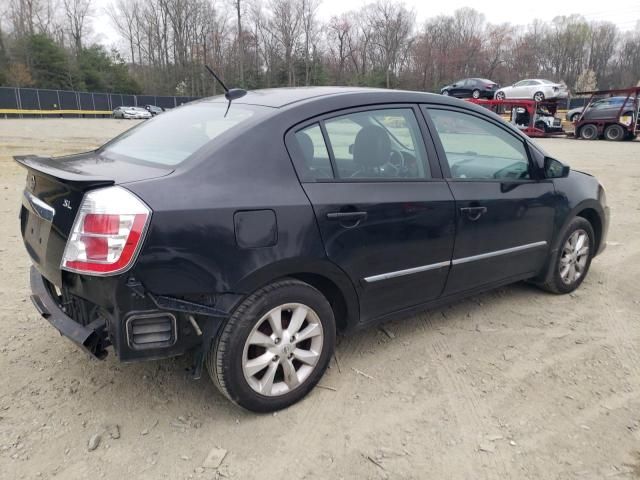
(107, 233)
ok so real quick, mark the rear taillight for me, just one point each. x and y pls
(107, 233)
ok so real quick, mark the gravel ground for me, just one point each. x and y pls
(511, 384)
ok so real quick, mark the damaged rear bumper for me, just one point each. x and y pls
(91, 338)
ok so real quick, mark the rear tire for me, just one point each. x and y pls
(500, 96)
(571, 266)
(538, 97)
(264, 332)
(475, 93)
(589, 132)
(445, 93)
(614, 133)
(574, 118)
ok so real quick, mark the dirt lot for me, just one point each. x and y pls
(511, 384)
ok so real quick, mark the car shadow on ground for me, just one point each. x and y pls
(163, 384)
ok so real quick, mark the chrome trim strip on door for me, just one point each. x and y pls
(408, 271)
(457, 261)
(496, 253)
(37, 206)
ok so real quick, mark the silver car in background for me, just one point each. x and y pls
(535, 88)
(131, 113)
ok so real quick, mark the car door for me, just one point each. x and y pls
(517, 89)
(529, 88)
(504, 213)
(456, 88)
(385, 213)
(463, 90)
(601, 109)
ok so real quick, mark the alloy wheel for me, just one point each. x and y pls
(574, 257)
(282, 349)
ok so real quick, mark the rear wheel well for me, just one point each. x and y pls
(590, 215)
(332, 293)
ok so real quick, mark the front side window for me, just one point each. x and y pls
(478, 149)
(378, 144)
(172, 137)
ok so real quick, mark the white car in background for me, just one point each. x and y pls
(536, 88)
(131, 112)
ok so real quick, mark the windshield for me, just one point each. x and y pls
(170, 138)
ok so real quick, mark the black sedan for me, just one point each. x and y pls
(471, 88)
(154, 110)
(250, 237)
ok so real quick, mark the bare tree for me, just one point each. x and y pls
(392, 24)
(308, 14)
(240, 41)
(123, 14)
(286, 25)
(77, 13)
(340, 29)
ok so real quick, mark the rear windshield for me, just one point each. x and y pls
(170, 138)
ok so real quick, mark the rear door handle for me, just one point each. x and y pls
(347, 216)
(473, 213)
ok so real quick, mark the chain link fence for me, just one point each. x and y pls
(39, 102)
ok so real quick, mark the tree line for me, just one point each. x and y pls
(271, 43)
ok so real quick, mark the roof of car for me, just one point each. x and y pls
(282, 97)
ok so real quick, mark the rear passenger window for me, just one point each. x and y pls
(478, 149)
(378, 144)
(314, 153)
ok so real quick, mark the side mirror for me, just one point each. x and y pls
(454, 85)
(555, 169)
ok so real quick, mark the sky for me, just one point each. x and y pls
(624, 13)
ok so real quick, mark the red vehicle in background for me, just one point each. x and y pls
(613, 124)
(535, 119)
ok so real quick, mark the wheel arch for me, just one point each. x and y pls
(591, 215)
(591, 211)
(321, 274)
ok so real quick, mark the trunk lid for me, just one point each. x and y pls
(53, 194)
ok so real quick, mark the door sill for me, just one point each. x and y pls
(441, 301)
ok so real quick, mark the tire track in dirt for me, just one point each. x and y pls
(465, 405)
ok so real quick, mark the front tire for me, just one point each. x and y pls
(572, 263)
(589, 132)
(275, 347)
(445, 93)
(475, 93)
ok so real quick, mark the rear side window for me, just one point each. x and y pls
(377, 144)
(314, 152)
(478, 149)
(172, 137)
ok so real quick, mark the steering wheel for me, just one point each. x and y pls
(516, 170)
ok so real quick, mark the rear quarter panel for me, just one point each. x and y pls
(191, 246)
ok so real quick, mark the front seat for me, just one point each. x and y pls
(371, 150)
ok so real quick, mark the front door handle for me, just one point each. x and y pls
(473, 213)
(347, 216)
